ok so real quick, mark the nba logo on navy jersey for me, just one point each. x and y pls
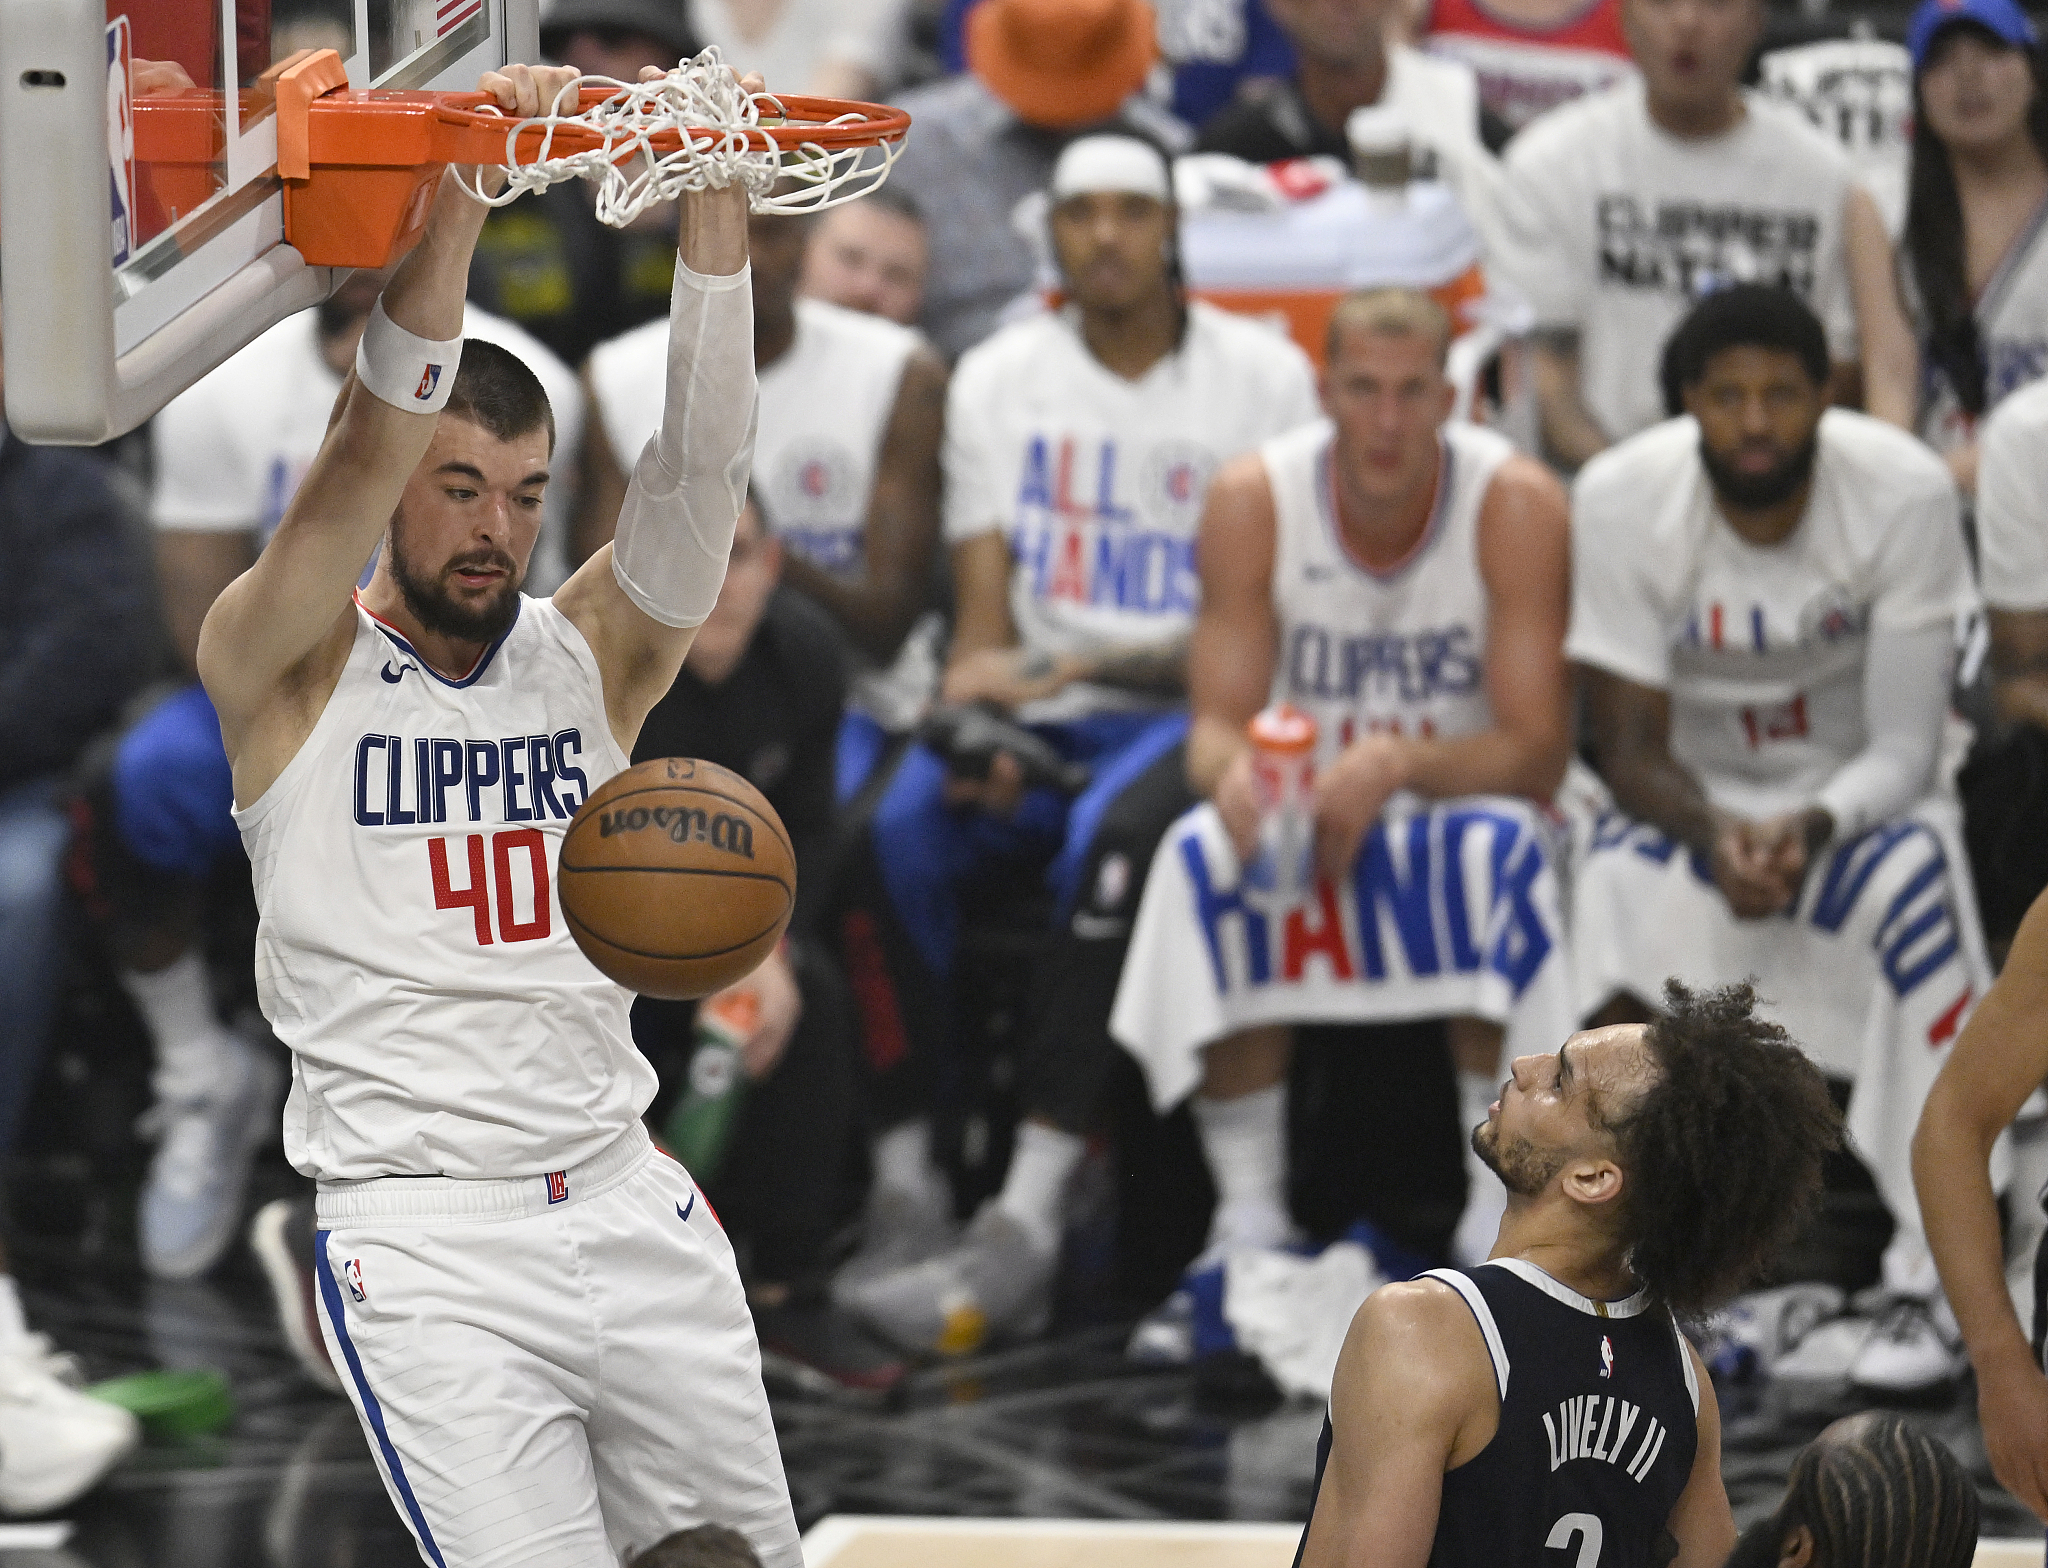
(352, 1271)
(429, 379)
(1606, 1356)
(558, 1186)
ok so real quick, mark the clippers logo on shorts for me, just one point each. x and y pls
(429, 379)
(352, 1274)
(558, 1186)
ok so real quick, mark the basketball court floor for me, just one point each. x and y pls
(1055, 1456)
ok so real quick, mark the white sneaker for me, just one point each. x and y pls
(279, 1238)
(192, 1201)
(55, 1442)
(1914, 1349)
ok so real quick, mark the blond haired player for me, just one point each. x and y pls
(538, 1318)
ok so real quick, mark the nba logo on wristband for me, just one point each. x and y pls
(558, 1186)
(429, 379)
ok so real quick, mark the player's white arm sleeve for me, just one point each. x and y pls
(676, 526)
(1906, 678)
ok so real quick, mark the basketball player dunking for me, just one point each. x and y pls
(538, 1317)
(1546, 1399)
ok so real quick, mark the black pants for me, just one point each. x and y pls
(1066, 1053)
(782, 1190)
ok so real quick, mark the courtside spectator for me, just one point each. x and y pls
(546, 262)
(76, 637)
(1765, 599)
(1627, 205)
(761, 693)
(829, 48)
(846, 468)
(1344, 62)
(871, 255)
(706, 1546)
(1038, 72)
(1079, 446)
(1214, 48)
(1976, 260)
(2005, 786)
(1404, 580)
(230, 452)
(1529, 55)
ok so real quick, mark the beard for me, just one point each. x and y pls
(479, 618)
(1523, 1169)
(1755, 492)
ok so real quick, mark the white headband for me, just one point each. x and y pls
(1110, 163)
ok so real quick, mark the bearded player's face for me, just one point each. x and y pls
(466, 526)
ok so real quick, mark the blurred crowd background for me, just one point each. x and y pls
(1124, 248)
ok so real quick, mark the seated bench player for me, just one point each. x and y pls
(1405, 581)
(1764, 607)
(1079, 446)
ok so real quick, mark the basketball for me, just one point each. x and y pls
(676, 878)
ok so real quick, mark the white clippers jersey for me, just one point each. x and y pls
(411, 950)
(1762, 649)
(1098, 481)
(824, 407)
(1401, 652)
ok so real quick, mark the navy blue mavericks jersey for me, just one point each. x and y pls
(1599, 1423)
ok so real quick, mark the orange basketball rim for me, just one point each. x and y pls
(359, 167)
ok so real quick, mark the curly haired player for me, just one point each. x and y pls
(1547, 1398)
(538, 1317)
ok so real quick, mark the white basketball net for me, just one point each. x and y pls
(631, 174)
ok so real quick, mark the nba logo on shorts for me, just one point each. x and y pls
(429, 379)
(558, 1186)
(352, 1271)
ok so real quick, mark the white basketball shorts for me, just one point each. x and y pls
(558, 1369)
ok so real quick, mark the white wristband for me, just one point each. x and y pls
(408, 372)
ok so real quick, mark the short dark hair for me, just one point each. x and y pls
(705, 1546)
(1876, 1488)
(1722, 1153)
(498, 390)
(894, 198)
(1748, 315)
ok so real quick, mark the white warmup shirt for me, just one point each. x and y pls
(825, 407)
(1617, 228)
(411, 949)
(1400, 652)
(231, 450)
(2012, 337)
(1099, 481)
(2012, 502)
(1762, 650)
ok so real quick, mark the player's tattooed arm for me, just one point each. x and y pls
(1414, 1395)
(1159, 668)
(1702, 1523)
(1630, 726)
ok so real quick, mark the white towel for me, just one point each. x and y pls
(1452, 910)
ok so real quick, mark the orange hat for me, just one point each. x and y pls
(1061, 62)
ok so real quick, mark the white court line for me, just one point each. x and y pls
(842, 1534)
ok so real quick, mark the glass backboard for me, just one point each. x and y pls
(138, 250)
